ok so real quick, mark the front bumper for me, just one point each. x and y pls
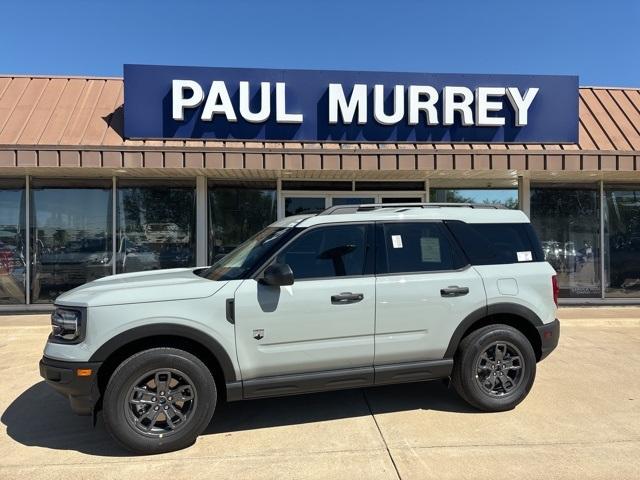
(82, 391)
(549, 337)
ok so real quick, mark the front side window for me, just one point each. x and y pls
(416, 247)
(332, 251)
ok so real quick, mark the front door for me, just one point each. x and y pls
(424, 290)
(325, 320)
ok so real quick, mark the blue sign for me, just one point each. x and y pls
(307, 105)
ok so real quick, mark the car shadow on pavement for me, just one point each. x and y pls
(41, 417)
(319, 407)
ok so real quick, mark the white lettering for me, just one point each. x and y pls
(378, 105)
(521, 104)
(428, 106)
(281, 106)
(180, 102)
(450, 105)
(339, 104)
(218, 102)
(265, 103)
(484, 106)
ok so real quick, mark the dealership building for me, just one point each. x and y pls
(175, 166)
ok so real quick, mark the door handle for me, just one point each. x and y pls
(346, 297)
(454, 291)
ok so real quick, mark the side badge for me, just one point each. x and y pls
(258, 334)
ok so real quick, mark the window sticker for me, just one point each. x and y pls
(396, 241)
(525, 256)
(430, 249)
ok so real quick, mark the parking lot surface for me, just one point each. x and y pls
(581, 420)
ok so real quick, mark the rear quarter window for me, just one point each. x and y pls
(497, 243)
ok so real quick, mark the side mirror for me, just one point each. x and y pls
(278, 274)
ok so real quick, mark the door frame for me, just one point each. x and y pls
(330, 195)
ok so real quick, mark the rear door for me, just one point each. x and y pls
(424, 289)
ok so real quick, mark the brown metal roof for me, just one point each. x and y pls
(74, 111)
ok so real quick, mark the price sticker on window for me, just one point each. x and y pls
(524, 256)
(396, 241)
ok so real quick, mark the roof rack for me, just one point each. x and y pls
(369, 207)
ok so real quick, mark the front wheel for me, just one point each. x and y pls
(159, 400)
(494, 368)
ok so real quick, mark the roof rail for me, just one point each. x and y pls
(368, 207)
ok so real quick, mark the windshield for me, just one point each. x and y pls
(246, 256)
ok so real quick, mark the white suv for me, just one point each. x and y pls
(355, 296)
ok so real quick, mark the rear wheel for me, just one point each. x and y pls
(159, 400)
(494, 368)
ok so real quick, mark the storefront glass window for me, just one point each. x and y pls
(567, 220)
(156, 225)
(402, 200)
(236, 213)
(352, 200)
(12, 242)
(622, 242)
(303, 205)
(506, 197)
(70, 235)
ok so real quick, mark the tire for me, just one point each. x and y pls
(486, 382)
(143, 417)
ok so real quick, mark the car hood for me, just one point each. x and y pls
(140, 287)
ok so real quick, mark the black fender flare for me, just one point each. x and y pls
(168, 330)
(508, 308)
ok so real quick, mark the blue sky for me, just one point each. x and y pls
(597, 40)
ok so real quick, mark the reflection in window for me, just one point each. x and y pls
(70, 236)
(352, 200)
(303, 205)
(156, 226)
(334, 251)
(506, 197)
(623, 241)
(12, 246)
(235, 214)
(496, 243)
(567, 221)
(401, 199)
(417, 247)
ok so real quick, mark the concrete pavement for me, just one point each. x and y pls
(582, 419)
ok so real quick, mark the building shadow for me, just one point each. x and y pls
(115, 120)
(41, 417)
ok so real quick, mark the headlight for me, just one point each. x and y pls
(66, 324)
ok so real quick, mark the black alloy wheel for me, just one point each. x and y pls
(161, 402)
(499, 369)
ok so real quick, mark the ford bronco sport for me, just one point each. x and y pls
(352, 297)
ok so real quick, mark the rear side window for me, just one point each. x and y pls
(497, 243)
(416, 247)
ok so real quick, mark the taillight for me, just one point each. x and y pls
(555, 288)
